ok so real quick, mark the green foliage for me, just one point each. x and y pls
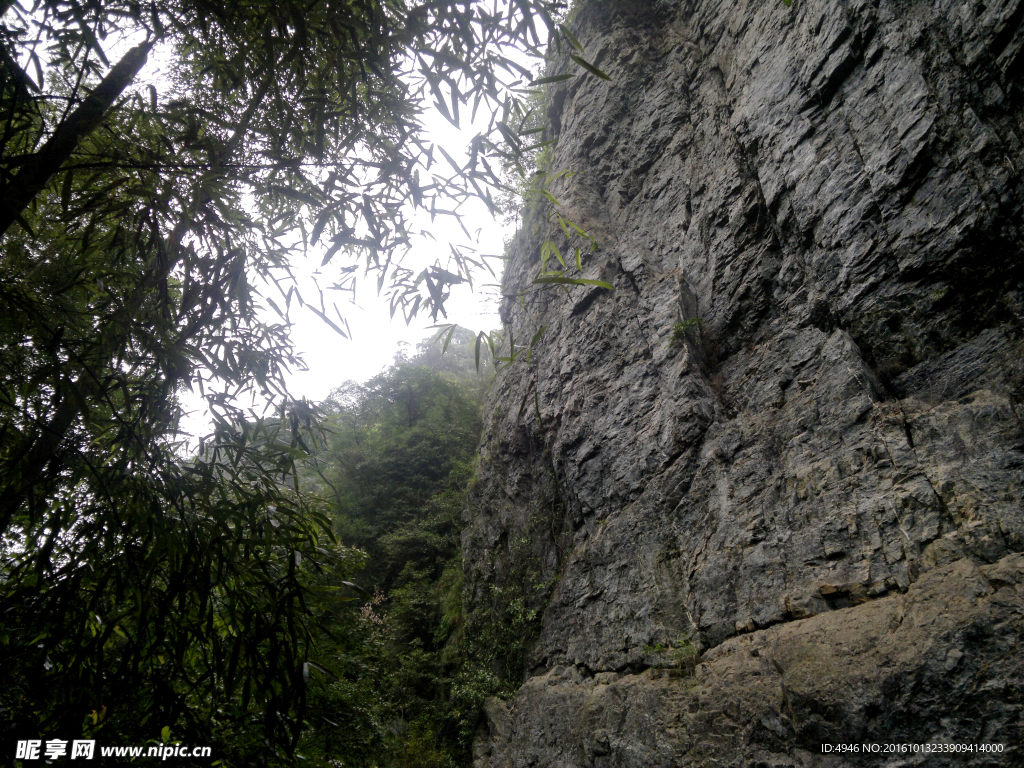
(522, 172)
(506, 631)
(530, 176)
(395, 445)
(681, 654)
(394, 467)
(680, 330)
(506, 621)
(172, 597)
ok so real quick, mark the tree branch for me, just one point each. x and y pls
(32, 463)
(38, 171)
(26, 470)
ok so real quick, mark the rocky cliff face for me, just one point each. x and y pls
(818, 485)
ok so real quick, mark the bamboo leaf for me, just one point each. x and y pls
(557, 280)
(318, 227)
(450, 159)
(571, 37)
(553, 79)
(510, 137)
(565, 229)
(588, 66)
(328, 320)
(448, 340)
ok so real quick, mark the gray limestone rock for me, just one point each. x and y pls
(819, 486)
(930, 669)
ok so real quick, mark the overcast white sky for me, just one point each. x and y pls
(333, 360)
(330, 359)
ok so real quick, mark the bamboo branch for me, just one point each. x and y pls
(35, 459)
(37, 172)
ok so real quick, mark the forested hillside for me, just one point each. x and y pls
(400, 684)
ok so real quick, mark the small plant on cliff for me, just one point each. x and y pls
(681, 654)
(679, 330)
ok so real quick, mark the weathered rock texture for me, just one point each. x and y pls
(819, 485)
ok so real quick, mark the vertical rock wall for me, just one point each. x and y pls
(791, 438)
